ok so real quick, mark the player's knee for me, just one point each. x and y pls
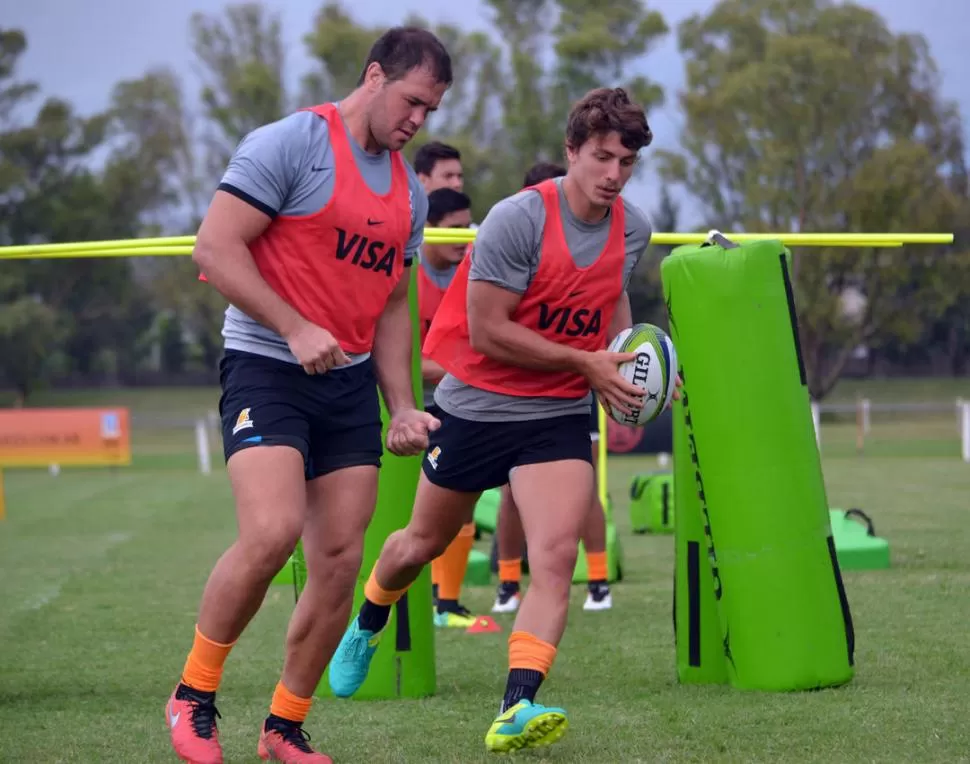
(269, 547)
(421, 547)
(339, 564)
(554, 560)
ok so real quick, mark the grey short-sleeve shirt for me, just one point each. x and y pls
(287, 168)
(507, 249)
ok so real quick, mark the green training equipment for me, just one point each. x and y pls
(652, 503)
(479, 570)
(404, 664)
(697, 628)
(753, 470)
(856, 543)
(486, 510)
(653, 371)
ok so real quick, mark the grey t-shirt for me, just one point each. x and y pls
(507, 249)
(287, 168)
(441, 279)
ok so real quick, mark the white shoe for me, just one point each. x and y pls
(598, 599)
(507, 600)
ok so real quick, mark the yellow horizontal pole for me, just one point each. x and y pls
(69, 254)
(182, 245)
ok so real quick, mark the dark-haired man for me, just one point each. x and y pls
(521, 333)
(438, 165)
(309, 238)
(447, 208)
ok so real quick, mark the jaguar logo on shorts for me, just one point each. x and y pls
(243, 421)
(433, 456)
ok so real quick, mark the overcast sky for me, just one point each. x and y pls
(78, 50)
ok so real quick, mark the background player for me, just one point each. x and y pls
(510, 535)
(447, 208)
(309, 238)
(438, 165)
(521, 332)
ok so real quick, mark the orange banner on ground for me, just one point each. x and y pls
(78, 437)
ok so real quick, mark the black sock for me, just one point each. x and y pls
(523, 684)
(275, 722)
(447, 606)
(373, 617)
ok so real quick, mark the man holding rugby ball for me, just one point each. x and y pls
(521, 334)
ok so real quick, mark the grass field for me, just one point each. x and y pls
(102, 573)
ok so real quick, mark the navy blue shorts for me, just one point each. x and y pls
(333, 419)
(472, 456)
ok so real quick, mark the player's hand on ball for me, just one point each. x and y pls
(678, 383)
(407, 434)
(601, 369)
(315, 348)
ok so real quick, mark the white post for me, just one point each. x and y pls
(965, 432)
(202, 444)
(866, 423)
(816, 420)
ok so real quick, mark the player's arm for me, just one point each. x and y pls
(393, 349)
(222, 254)
(252, 192)
(494, 334)
(393, 340)
(501, 269)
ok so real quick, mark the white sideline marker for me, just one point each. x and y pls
(202, 445)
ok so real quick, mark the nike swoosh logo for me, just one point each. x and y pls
(374, 222)
(627, 234)
(317, 169)
(510, 719)
(173, 719)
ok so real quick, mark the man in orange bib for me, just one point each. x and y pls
(510, 536)
(309, 238)
(521, 333)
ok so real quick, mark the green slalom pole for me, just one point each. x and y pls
(783, 615)
(404, 664)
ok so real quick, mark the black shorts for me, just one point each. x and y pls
(333, 420)
(594, 421)
(474, 456)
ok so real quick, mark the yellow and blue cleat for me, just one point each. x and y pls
(351, 661)
(450, 619)
(526, 725)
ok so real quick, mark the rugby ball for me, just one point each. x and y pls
(654, 371)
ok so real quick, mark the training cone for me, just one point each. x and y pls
(484, 624)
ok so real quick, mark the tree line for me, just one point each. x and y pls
(801, 115)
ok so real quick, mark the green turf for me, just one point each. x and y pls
(102, 573)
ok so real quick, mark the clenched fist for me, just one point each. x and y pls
(316, 349)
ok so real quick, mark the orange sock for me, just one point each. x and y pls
(527, 651)
(453, 564)
(288, 706)
(203, 667)
(377, 594)
(510, 570)
(596, 566)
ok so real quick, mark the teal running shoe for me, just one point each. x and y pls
(526, 725)
(351, 661)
